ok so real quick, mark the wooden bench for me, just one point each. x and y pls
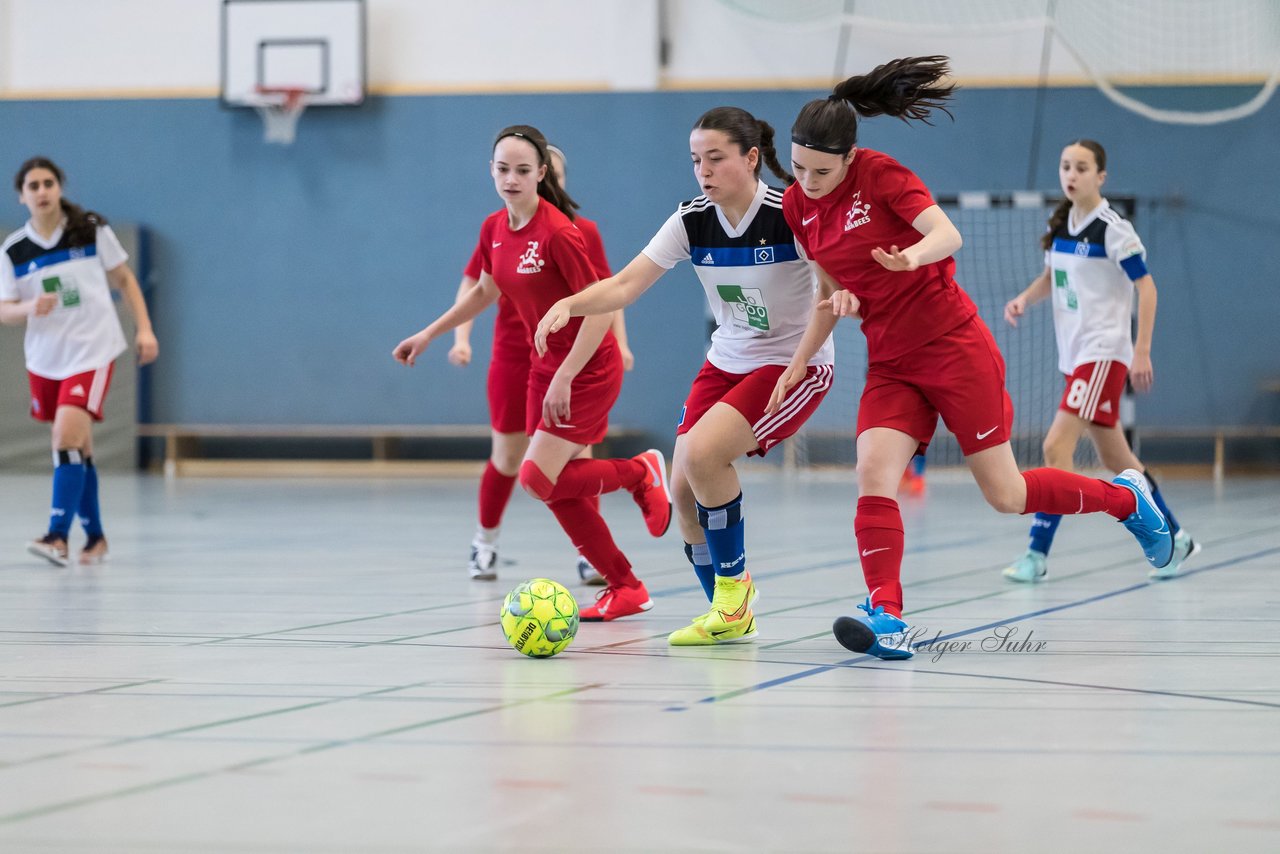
(182, 441)
(1218, 435)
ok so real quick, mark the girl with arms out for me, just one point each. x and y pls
(56, 273)
(533, 254)
(1094, 264)
(883, 250)
(507, 384)
(760, 291)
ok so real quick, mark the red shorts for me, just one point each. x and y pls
(591, 396)
(1093, 392)
(750, 393)
(508, 388)
(959, 376)
(87, 391)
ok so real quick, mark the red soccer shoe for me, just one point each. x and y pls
(654, 494)
(615, 602)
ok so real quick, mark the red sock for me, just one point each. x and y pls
(590, 478)
(878, 528)
(495, 492)
(590, 536)
(1065, 493)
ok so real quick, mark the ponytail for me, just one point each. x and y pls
(1059, 215)
(747, 132)
(1056, 219)
(82, 225)
(907, 88)
(549, 187)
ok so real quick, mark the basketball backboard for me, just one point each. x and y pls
(314, 46)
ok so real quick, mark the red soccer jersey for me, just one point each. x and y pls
(510, 338)
(875, 206)
(542, 262)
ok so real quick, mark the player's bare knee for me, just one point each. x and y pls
(1006, 498)
(535, 481)
(506, 462)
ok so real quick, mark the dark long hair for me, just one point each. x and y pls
(1059, 215)
(747, 132)
(907, 88)
(82, 225)
(549, 187)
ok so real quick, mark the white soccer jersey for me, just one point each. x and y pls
(758, 283)
(1094, 267)
(83, 332)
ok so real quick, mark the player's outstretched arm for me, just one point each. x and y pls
(460, 352)
(483, 295)
(605, 296)
(15, 312)
(941, 240)
(1035, 292)
(821, 324)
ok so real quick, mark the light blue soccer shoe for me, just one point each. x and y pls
(1184, 548)
(879, 634)
(1147, 523)
(1030, 567)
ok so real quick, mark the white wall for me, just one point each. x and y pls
(160, 47)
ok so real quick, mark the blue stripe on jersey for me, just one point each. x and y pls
(743, 256)
(56, 258)
(1134, 267)
(1076, 247)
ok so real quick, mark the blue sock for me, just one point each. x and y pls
(700, 556)
(1043, 527)
(68, 486)
(1164, 508)
(89, 514)
(725, 537)
(917, 465)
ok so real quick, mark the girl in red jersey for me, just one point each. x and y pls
(56, 275)
(507, 382)
(534, 255)
(883, 251)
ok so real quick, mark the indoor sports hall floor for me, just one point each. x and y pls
(293, 665)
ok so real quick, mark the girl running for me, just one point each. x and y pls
(532, 253)
(55, 275)
(1094, 262)
(760, 291)
(508, 381)
(883, 250)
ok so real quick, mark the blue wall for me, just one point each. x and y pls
(284, 276)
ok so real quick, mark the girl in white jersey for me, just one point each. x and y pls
(55, 275)
(1094, 263)
(761, 291)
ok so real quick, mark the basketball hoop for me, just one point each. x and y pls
(280, 111)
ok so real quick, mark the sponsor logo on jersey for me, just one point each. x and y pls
(1105, 407)
(859, 214)
(708, 259)
(529, 261)
(77, 390)
(763, 255)
(747, 305)
(1082, 246)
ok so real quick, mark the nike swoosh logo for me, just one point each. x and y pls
(657, 478)
(866, 552)
(982, 436)
(738, 614)
(497, 244)
(808, 220)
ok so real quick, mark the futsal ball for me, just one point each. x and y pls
(539, 618)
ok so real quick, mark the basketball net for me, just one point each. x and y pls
(280, 117)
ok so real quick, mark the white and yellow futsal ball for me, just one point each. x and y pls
(539, 618)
